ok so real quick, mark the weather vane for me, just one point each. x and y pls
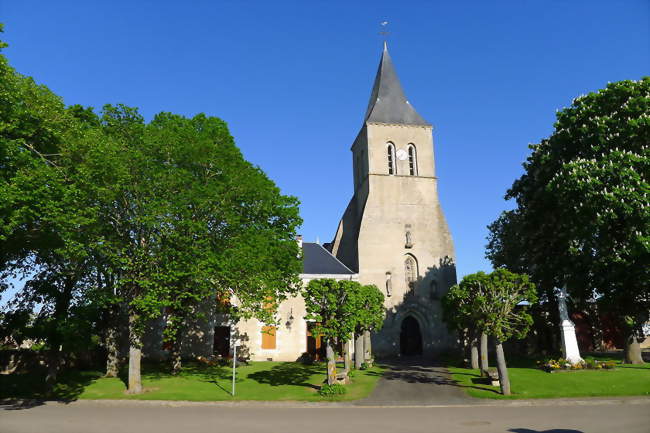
(384, 29)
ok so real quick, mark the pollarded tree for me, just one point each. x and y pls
(583, 212)
(370, 317)
(501, 311)
(459, 314)
(332, 305)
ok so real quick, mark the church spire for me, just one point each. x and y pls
(387, 101)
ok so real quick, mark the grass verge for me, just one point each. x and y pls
(258, 381)
(527, 381)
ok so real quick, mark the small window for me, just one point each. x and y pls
(413, 161)
(268, 337)
(391, 159)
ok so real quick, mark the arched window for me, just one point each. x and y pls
(392, 169)
(410, 270)
(413, 161)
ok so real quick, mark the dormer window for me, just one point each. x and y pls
(392, 169)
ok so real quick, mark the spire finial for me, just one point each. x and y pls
(384, 32)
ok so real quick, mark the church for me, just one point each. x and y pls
(393, 234)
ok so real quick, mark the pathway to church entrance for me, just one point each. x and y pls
(412, 381)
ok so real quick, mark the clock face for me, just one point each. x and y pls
(401, 154)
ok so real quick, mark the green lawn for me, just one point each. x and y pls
(257, 381)
(526, 381)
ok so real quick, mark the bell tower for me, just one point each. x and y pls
(393, 232)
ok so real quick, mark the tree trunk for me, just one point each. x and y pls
(53, 364)
(474, 352)
(633, 350)
(504, 381)
(347, 355)
(177, 350)
(177, 364)
(331, 363)
(484, 353)
(113, 358)
(367, 348)
(358, 352)
(55, 338)
(135, 356)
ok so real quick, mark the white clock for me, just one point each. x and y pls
(401, 154)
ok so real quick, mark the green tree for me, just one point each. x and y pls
(370, 318)
(460, 315)
(582, 219)
(495, 305)
(228, 231)
(103, 211)
(502, 307)
(332, 305)
(47, 225)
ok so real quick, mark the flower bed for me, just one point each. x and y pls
(561, 364)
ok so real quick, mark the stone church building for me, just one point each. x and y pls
(392, 234)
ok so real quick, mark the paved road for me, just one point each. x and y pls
(628, 416)
(414, 382)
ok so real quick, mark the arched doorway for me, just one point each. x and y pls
(410, 338)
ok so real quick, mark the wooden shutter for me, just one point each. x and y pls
(268, 337)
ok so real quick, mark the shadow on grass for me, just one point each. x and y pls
(294, 374)
(24, 391)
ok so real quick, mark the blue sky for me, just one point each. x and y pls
(292, 79)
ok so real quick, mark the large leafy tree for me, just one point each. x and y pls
(583, 215)
(46, 225)
(190, 221)
(228, 231)
(101, 211)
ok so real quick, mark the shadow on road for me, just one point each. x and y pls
(555, 430)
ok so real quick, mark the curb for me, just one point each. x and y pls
(25, 404)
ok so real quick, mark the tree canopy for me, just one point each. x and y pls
(583, 215)
(101, 209)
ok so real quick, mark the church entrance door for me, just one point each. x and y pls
(410, 339)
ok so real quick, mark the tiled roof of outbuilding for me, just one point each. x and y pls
(317, 260)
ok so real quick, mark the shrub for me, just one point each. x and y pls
(551, 365)
(332, 390)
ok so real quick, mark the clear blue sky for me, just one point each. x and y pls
(292, 79)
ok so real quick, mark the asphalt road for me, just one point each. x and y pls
(624, 416)
(409, 383)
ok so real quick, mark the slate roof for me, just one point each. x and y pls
(317, 260)
(387, 101)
